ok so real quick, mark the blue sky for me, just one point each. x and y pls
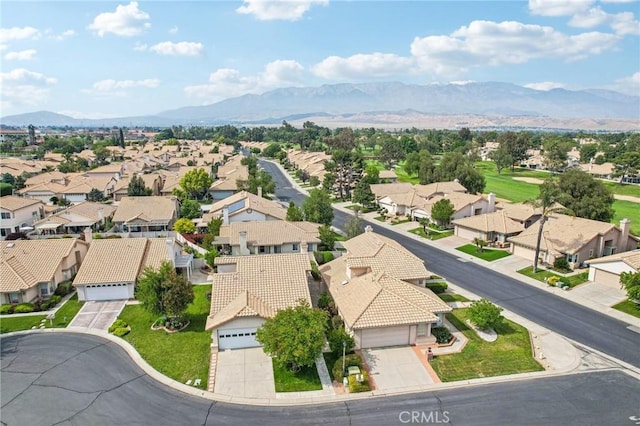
(98, 59)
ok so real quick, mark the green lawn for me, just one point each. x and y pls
(571, 281)
(485, 254)
(306, 379)
(434, 235)
(68, 311)
(398, 222)
(633, 190)
(448, 297)
(510, 354)
(628, 307)
(631, 211)
(182, 356)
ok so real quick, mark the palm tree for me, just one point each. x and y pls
(546, 202)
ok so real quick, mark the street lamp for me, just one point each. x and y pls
(344, 348)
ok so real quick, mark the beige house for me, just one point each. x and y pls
(464, 205)
(76, 218)
(146, 214)
(34, 268)
(18, 213)
(498, 226)
(227, 177)
(274, 236)
(153, 181)
(576, 239)
(607, 270)
(379, 289)
(244, 207)
(98, 279)
(249, 289)
(402, 198)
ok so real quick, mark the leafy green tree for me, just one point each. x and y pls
(5, 189)
(101, 152)
(588, 152)
(627, 163)
(455, 165)
(260, 179)
(314, 181)
(137, 187)
(485, 314)
(585, 196)
(555, 152)
(442, 211)
(631, 283)
(282, 339)
(317, 207)
(95, 195)
(184, 226)
(363, 195)
(272, 150)
(515, 145)
(338, 338)
(195, 183)
(354, 226)
(546, 202)
(294, 213)
(213, 227)
(391, 151)
(210, 257)
(480, 243)
(372, 175)
(327, 237)
(8, 178)
(190, 209)
(501, 158)
(163, 292)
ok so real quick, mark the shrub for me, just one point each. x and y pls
(442, 334)
(328, 256)
(117, 324)
(437, 288)
(54, 300)
(485, 314)
(64, 288)
(552, 281)
(336, 321)
(324, 300)
(6, 309)
(349, 361)
(356, 386)
(319, 258)
(315, 273)
(119, 332)
(561, 264)
(112, 236)
(337, 338)
(23, 308)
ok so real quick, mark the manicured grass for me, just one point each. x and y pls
(360, 208)
(182, 356)
(306, 379)
(398, 222)
(434, 235)
(628, 307)
(485, 254)
(447, 297)
(380, 218)
(633, 190)
(570, 281)
(509, 354)
(7, 325)
(631, 211)
(68, 311)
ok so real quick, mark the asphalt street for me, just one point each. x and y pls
(76, 379)
(569, 319)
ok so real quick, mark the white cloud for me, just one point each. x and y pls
(117, 88)
(374, 65)
(65, 35)
(173, 30)
(625, 23)
(22, 55)
(545, 86)
(618, 1)
(18, 33)
(590, 18)
(487, 43)
(182, 48)
(21, 87)
(461, 82)
(559, 7)
(622, 23)
(288, 10)
(3, 47)
(140, 47)
(629, 85)
(126, 21)
(227, 82)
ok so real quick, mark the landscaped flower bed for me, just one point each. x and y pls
(170, 325)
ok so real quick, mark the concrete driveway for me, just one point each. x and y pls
(98, 315)
(245, 373)
(396, 369)
(600, 293)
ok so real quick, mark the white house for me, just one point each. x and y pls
(18, 213)
(607, 270)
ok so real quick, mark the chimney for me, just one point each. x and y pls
(625, 225)
(171, 254)
(244, 250)
(260, 191)
(368, 228)
(304, 247)
(492, 203)
(225, 215)
(88, 235)
(101, 214)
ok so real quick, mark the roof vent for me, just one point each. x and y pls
(10, 245)
(345, 282)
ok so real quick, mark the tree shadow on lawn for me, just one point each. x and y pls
(505, 329)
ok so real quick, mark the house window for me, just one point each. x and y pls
(262, 250)
(310, 248)
(422, 329)
(572, 258)
(277, 249)
(5, 231)
(5, 215)
(14, 298)
(591, 254)
(44, 289)
(295, 247)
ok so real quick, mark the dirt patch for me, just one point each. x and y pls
(529, 180)
(627, 198)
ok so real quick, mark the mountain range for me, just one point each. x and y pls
(477, 104)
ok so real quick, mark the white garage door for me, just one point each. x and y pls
(236, 338)
(385, 336)
(108, 292)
